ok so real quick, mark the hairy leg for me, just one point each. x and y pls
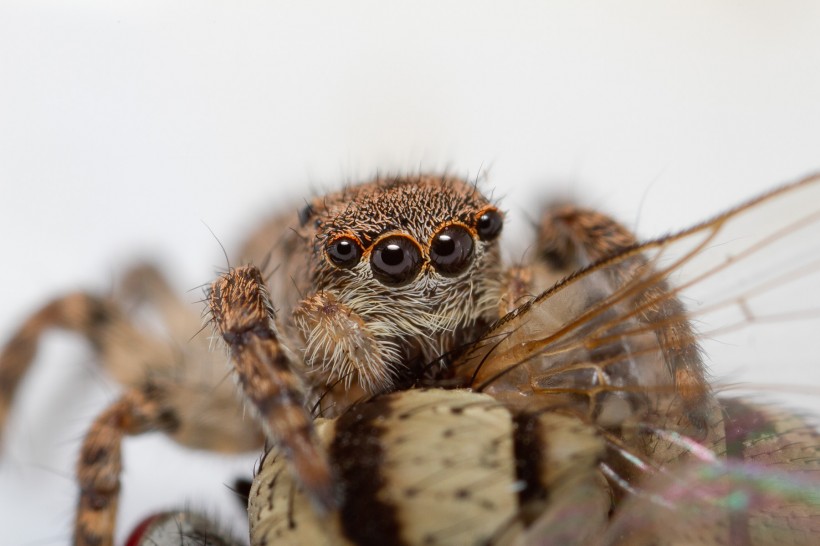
(167, 380)
(99, 320)
(211, 414)
(145, 285)
(243, 315)
(341, 347)
(205, 401)
(571, 238)
(100, 463)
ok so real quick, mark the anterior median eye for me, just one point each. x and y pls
(451, 250)
(344, 252)
(395, 260)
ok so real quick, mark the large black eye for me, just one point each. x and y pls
(395, 260)
(489, 224)
(344, 252)
(451, 250)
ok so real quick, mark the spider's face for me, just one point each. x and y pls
(416, 259)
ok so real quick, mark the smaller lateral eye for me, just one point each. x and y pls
(344, 252)
(451, 250)
(489, 224)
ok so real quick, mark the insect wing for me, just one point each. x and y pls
(597, 336)
(700, 503)
(766, 490)
(759, 262)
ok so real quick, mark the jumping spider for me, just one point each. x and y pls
(395, 284)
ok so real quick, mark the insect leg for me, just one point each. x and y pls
(243, 314)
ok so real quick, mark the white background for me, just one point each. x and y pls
(127, 127)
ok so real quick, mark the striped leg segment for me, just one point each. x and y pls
(571, 238)
(100, 464)
(124, 350)
(81, 313)
(243, 314)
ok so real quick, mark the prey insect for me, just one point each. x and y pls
(560, 417)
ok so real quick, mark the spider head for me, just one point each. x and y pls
(416, 259)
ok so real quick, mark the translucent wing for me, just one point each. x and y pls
(613, 344)
(601, 331)
(702, 502)
(766, 490)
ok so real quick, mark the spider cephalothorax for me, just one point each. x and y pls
(397, 270)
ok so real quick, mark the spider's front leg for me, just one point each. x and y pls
(243, 314)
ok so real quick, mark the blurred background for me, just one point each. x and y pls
(130, 130)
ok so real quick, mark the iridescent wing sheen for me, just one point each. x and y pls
(760, 485)
(702, 503)
(610, 345)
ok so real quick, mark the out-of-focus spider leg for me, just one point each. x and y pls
(571, 238)
(100, 463)
(203, 401)
(144, 283)
(97, 319)
(171, 385)
(243, 315)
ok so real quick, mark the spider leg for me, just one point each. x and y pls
(100, 465)
(171, 386)
(570, 238)
(145, 284)
(351, 358)
(203, 399)
(243, 314)
(97, 319)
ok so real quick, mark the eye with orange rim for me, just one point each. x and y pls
(451, 249)
(488, 224)
(395, 260)
(344, 252)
